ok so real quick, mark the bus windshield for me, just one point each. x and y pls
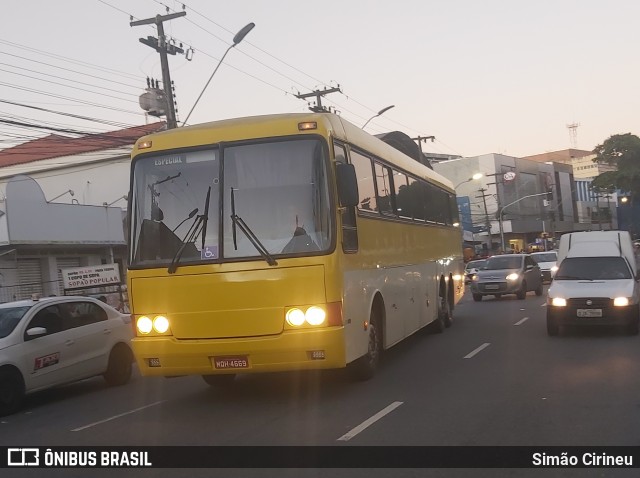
(276, 192)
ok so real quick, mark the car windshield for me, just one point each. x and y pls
(9, 318)
(593, 268)
(545, 257)
(475, 264)
(503, 262)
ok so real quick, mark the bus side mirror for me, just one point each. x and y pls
(347, 184)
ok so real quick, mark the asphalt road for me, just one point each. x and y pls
(493, 378)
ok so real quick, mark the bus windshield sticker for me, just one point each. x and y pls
(209, 252)
(169, 160)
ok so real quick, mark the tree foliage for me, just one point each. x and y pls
(622, 151)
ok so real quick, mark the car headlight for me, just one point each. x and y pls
(559, 302)
(513, 276)
(620, 301)
(475, 278)
(554, 269)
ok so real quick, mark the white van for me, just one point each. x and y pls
(596, 282)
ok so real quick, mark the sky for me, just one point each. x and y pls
(491, 76)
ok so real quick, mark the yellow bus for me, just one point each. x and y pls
(284, 242)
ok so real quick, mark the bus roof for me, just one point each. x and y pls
(268, 126)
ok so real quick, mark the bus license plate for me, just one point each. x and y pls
(589, 312)
(231, 362)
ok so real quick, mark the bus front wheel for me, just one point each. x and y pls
(366, 366)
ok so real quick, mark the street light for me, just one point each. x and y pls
(383, 110)
(505, 207)
(236, 39)
(475, 177)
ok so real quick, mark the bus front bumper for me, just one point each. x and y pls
(308, 349)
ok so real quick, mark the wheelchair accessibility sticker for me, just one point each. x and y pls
(209, 252)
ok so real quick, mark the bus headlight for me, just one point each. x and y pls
(559, 302)
(621, 302)
(144, 325)
(295, 317)
(513, 276)
(161, 324)
(315, 315)
(158, 325)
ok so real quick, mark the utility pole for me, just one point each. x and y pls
(318, 108)
(161, 46)
(486, 216)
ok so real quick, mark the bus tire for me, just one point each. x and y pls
(438, 325)
(366, 366)
(219, 380)
(11, 391)
(448, 320)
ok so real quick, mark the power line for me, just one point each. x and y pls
(70, 60)
(31, 90)
(74, 87)
(71, 115)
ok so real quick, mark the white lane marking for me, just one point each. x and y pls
(117, 416)
(478, 350)
(370, 421)
(543, 305)
(522, 321)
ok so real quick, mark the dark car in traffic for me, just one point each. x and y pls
(507, 274)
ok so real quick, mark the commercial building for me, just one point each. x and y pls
(518, 201)
(63, 205)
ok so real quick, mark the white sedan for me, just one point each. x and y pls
(57, 340)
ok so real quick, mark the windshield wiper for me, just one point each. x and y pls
(237, 221)
(199, 226)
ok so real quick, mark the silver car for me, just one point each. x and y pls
(547, 262)
(507, 274)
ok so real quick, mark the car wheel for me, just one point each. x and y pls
(219, 380)
(120, 365)
(11, 391)
(539, 290)
(477, 297)
(522, 293)
(366, 366)
(552, 327)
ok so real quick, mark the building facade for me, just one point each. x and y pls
(517, 202)
(63, 205)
